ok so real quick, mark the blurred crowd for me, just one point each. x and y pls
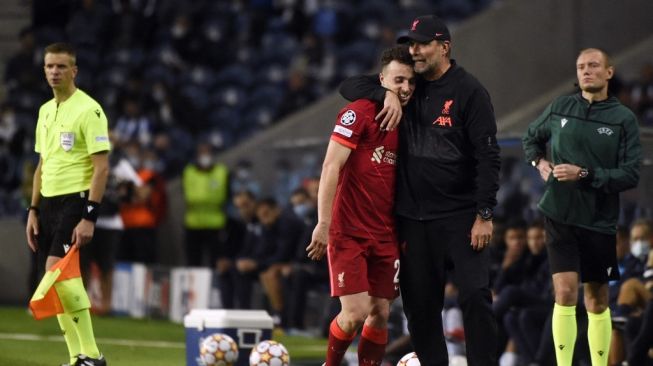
(170, 72)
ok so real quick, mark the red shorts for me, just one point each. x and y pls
(363, 265)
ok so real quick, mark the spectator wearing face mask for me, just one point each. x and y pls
(631, 296)
(206, 191)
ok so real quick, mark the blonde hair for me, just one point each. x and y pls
(61, 47)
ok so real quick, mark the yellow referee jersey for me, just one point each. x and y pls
(66, 135)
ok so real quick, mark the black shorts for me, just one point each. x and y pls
(574, 249)
(58, 218)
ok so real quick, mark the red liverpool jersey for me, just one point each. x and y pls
(364, 201)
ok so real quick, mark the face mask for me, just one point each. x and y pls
(135, 161)
(301, 210)
(640, 248)
(242, 174)
(204, 160)
(158, 94)
(9, 119)
(178, 31)
(150, 165)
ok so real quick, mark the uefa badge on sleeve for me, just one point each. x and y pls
(348, 118)
(67, 140)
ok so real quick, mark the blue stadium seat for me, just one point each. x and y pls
(259, 117)
(230, 95)
(197, 96)
(277, 47)
(115, 76)
(200, 75)
(225, 118)
(269, 95)
(88, 58)
(131, 57)
(356, 58)
(235, 74)
(273, 73)
(160, 72)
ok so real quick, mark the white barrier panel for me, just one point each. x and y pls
(157, 292)
(128, 293)
(190, 289)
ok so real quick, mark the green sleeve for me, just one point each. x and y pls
(626, 175)
(536, 137)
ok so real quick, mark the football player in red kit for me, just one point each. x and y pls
(355, 217)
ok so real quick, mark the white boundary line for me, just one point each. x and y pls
(107, 341)
(116, 342)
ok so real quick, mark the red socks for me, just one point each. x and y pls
(371, 347)
(339, 341)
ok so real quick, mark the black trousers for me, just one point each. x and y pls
(429, 249)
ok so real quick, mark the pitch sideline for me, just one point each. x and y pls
(114, 341)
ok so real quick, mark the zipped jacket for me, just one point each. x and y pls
(602, 137)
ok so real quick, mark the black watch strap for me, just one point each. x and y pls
(485, 213)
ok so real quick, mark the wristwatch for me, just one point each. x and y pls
(583, 173)
(536, 161)
(485, 213)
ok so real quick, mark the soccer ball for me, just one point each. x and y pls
(269, 353)
(218, 350)
(409, 359)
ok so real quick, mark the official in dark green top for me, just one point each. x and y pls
(595, 154)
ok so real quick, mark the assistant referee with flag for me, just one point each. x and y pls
(73, 143)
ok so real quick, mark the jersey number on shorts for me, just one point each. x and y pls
(396, 279)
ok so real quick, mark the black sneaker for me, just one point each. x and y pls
(84, 360)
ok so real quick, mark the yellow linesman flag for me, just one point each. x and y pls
(61, 289)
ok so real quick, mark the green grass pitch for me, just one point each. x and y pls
(125, 342)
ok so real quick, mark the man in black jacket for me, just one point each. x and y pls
(448, 169)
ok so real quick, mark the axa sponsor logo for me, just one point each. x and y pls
(604, 131)
(443, 121)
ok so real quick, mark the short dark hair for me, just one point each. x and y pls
(537, 224)
(245, 193)
(300, 190)
(267, 202)
(62, 47)
(397, 53)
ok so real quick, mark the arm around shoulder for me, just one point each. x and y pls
(362, 87)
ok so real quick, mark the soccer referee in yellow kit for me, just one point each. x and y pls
(72, 140)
